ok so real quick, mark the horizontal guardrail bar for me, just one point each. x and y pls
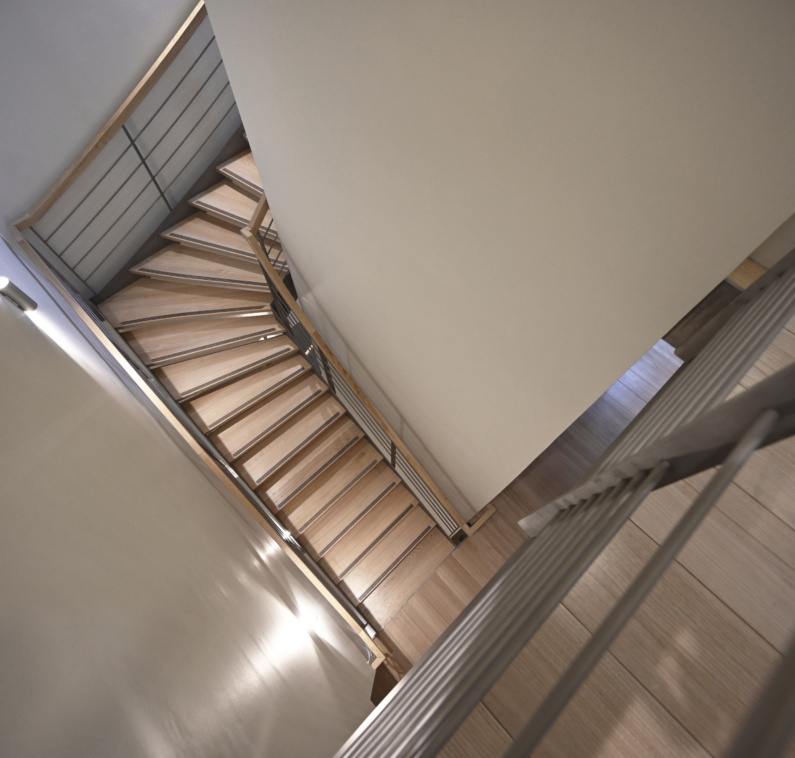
(440, 691)
(705, 442)
(554, 703)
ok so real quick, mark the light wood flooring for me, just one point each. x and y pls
(679, 679)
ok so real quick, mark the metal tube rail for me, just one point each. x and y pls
(706, 381)
(328, 367)
(436, 696)
(538, 725)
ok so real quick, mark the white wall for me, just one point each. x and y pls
(143, 612)
(67, 67)
(501, 205)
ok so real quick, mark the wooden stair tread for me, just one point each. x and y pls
(304, 508)
(188, 378)
(274, 452)
(232, 204)
(387, 599)
(221, 405)
(321, 533)
(364, 576)
(169, 343)
(367, 531)
(257, 423)
(150, 301)
(242, 170)
(314, 459)
(181, 263)
(203, 232)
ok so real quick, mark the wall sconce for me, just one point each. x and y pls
(16, 296)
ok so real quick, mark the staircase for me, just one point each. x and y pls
(200, 318)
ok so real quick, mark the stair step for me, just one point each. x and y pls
(231, 204)
(369, 529)
(183, 264)
(257, 423)
(192, 377)
(170, 343)
(147, 302)
(365, 575)
(320, 534)
(215, 408)
(313, 460)
(212, 235)
(406, 578)
(242, 170)
(257, 465)
(304, 508)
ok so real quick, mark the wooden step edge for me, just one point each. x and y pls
(370, 507)
(177, 318)
(263, 482)
(144, 269)
(336, 578)
(206, 246)
(230, 376)
(336, 498)
(295, 451)
(231, 455)
(239, 180)
(225, 215)
(215, 347)
(387, 571)
(407, 579)
(251, 402)
(412, 504)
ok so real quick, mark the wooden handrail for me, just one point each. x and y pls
(41, 265)
(118, 119)
(284, 293)
(259, 216)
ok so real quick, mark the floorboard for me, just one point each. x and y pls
(683, 673)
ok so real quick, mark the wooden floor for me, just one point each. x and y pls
(685, 670)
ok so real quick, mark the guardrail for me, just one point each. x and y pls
(328, 367)
(122, 355)
(687, 430)
(140, 165)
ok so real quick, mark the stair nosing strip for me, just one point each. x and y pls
(296, 449)
(350, 526)
(381, 536)
(197, 277)
(214, 344)
(256, 399)
(174, 235)
(243, 369)
(211, 208)
(214, 208)
(334, 499)
(278, 423)
(192, 313)
(394, 564)
(323, 467)
(232, 175)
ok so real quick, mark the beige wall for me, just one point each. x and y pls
(142, 613)
(67, 67)
(501, 205)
